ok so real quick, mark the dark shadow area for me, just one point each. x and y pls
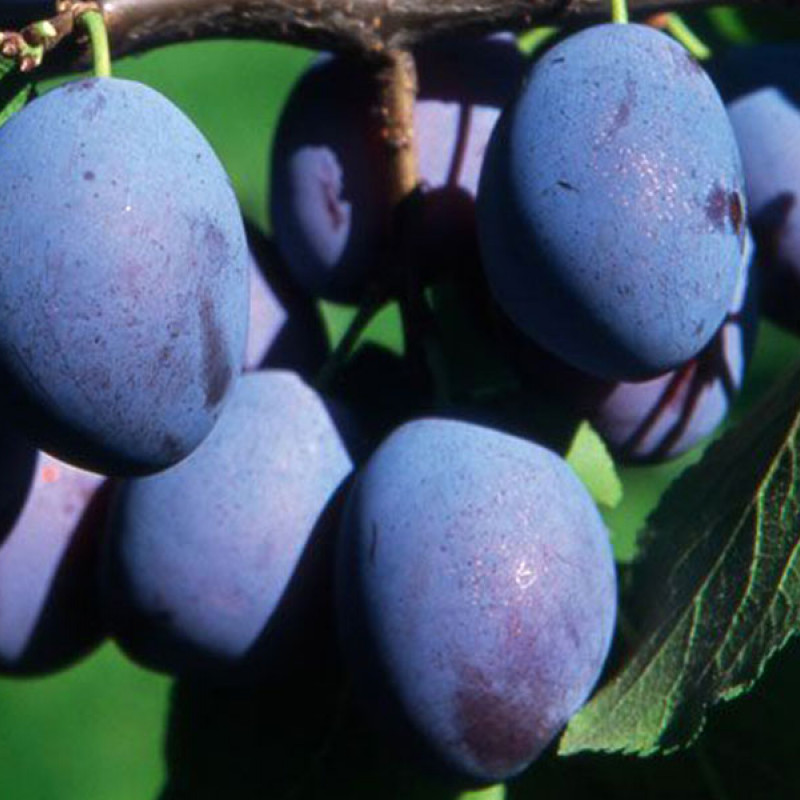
(300, 739)
(301, 343)
(247, 743)
(361, 763)
(381, 390)
(748, 750)
(17, 467)
(743, 69)
(16, 13)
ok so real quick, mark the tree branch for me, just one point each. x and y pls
(367, 26)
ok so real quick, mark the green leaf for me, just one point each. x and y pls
(496, 792)
(385, 329)
(716, 592)
(589, 457)
(729, 24)
(531, 41)
(15, 89)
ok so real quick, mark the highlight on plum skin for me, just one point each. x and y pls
(200, 560)
(50, 614)
(477, 596)
(330, 177)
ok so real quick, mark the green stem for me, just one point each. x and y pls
(619, 11)
(684, 34)
(95, 26)
(366, 311)
(422, 341)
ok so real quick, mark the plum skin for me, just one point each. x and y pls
(662, 418)
(97, 366)
(477, 595)
(199, 557)
(610, 210)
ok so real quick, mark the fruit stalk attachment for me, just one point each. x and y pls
(619, 11)
(93, 23)
(687, 37)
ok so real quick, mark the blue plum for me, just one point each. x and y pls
(123, 277)
(477, 595)
(330, 185)
(49, 609)
(611, 206)
(200, 558)
(760, 86)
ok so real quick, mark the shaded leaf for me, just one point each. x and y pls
(716, 592)
(385, 328)
(496, 792)
(474, 366)
(15, 89)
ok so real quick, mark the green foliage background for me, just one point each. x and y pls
(97, 731)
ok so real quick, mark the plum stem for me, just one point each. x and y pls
(374, 299)
(619, 11)
(684, 34)
(95, 26)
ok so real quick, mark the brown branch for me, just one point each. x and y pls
(367, 26)
(398, 82)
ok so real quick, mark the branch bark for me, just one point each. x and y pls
(366, 26)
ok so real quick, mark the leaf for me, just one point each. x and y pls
(589, 457)
(533, 40)
(730, 25)
(496, 792)
(716, 592)
(15, 90)
(385, 329)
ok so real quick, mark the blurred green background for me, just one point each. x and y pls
(97, 731)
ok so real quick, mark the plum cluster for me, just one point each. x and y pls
(175, 478)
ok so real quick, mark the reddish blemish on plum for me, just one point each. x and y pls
(723, 208)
